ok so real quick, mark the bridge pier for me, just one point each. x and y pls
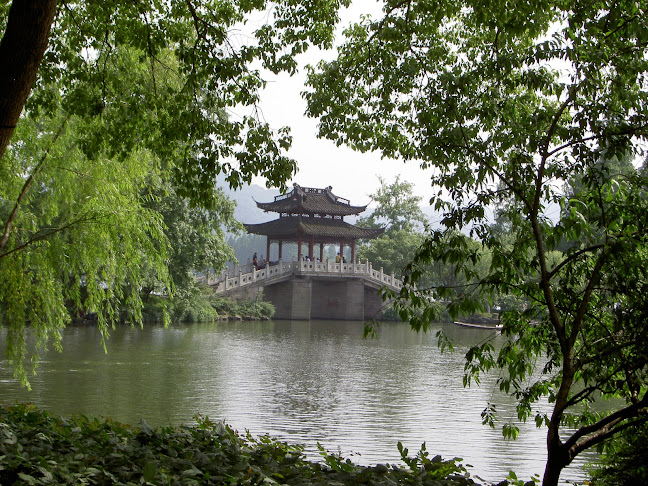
(308, 298)
(291, 298)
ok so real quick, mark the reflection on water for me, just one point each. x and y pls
(303, 382)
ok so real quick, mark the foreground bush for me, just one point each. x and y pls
(36, 449)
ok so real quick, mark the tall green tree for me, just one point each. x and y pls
(399, 211)
(507, 102)
(197, 246)
(99, 97)
(392, 251)
(197, 234)
(396, 207)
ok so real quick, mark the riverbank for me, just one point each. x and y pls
(37, 448)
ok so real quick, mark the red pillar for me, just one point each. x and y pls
(341, 250)
(321, 252)
(280, 242)
(267, 255)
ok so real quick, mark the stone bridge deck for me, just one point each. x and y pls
(234, 280)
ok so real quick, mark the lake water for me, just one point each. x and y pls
(302, 382)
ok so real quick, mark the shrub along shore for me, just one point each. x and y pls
(204, 306)
(37, 449)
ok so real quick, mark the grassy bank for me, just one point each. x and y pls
(36, 449)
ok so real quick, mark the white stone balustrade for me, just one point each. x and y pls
(239, 277)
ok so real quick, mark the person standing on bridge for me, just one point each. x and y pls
(255, 262)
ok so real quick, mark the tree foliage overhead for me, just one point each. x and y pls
(220, 49)
(507, 102)
(115, 120)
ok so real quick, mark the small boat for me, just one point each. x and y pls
(495, 327)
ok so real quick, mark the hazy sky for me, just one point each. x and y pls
(353, 175)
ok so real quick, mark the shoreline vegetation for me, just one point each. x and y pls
(199, 304)
(202, 305)
(38, 449)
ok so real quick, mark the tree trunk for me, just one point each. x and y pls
(21, 52)
(557, 458)
(553, 468)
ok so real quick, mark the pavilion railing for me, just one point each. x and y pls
(242, 276)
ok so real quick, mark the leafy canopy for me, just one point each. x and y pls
(507, 103)
(219, 50)
(133, 102)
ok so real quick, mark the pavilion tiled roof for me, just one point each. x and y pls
(307, 200)
(320, 228)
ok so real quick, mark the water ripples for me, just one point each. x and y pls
(303, 382)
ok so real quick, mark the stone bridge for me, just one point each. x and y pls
(310, 290)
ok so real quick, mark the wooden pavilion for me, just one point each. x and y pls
(314, 217)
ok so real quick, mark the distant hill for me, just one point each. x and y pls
(246, 209)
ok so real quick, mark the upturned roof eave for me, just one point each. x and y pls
(290, 229)
(284, 206)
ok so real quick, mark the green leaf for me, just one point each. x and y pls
(150, 471)
(27, 478)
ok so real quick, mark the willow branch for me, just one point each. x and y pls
(51, 231)
(25, 189)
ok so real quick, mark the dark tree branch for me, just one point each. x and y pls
(587, 294)
(593, 434)
(573, 257)
(21, 52)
